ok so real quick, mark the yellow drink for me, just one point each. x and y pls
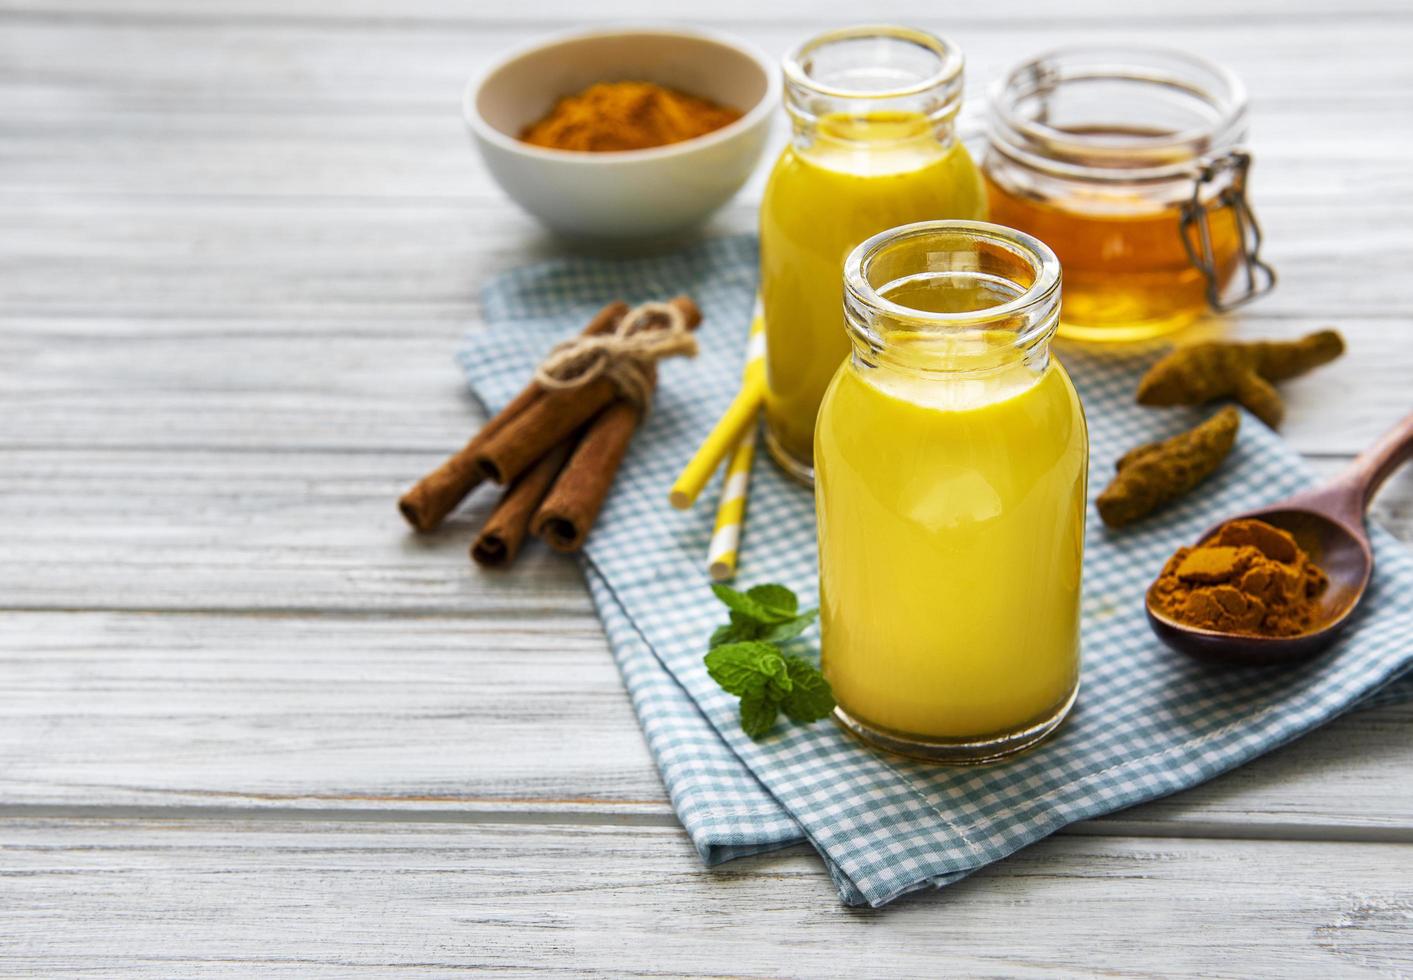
(950, 544)
(950, 465)
(859, 177)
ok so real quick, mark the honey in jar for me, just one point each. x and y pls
(1127, 164)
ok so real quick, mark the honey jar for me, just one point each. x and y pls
(1130, 164)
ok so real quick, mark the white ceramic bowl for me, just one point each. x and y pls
(634, 193)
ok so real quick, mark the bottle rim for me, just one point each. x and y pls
(1117, 156)
(801, 84)
(1040, 300)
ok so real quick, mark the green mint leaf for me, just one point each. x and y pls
(752, 609)
(739, 602)
(776, 671)
(810, 698)
(758, 716)
(776, 598)
(747, 669)
(743, 628)
(789, 629)
(736, 670)
(744, 659)
(778, 688)
(733, 633)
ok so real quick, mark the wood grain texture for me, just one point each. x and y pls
(303, 530)
(221, 897)
(428, 259)
(287, 382)
(467, 714)
(250, 724)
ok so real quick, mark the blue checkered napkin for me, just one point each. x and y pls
(1147, 723)
(725, 809)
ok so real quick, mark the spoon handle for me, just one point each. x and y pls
(1350, 492)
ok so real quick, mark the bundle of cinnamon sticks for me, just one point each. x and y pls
(555, 450)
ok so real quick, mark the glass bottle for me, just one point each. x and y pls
(1128, 162)
(950, 465)
(873, 145)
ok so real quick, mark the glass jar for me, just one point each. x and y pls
(873, 111)
(951, 459)
(1128, 163)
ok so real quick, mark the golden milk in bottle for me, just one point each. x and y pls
(873, 146)
(950, 465)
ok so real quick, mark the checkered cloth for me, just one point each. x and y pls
(1148, 722)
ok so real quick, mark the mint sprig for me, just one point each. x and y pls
(746, 660)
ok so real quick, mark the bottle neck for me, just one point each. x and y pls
(868, 88)
(990, 352)
(948, 300)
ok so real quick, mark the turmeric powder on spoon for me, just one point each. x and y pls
(1250, 577)
(615, 116)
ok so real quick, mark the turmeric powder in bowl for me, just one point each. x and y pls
(615, 116)
(1250, 577)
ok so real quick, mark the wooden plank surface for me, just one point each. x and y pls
(286, 382)
(438, 713)
(198, 898)
(249, 724)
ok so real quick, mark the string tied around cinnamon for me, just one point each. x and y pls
(627, 356)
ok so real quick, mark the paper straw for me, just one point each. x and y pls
(729, 429)
(731, 514)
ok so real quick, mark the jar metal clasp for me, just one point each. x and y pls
(1258, 277)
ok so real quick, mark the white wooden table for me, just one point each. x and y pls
(249, 725)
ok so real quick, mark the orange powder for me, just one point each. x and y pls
(626, 116)
(1249, 577)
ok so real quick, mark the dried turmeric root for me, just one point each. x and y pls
(1197, 374)
(1159, 472)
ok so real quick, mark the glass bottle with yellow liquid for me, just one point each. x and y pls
(873, 112)
(1128, 163)
(950, 465)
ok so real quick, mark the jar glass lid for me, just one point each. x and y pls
(1116, 113)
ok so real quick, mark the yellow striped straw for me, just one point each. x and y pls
(731, 514)
(740, 415)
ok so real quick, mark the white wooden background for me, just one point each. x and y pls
(249, 725)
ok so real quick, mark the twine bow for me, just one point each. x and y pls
(627, 357)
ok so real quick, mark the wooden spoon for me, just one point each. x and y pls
(1328, 522)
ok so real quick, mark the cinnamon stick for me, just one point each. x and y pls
(434, 496)
(568, 512)
(509, 452)
(549, 420)
(504, 531)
